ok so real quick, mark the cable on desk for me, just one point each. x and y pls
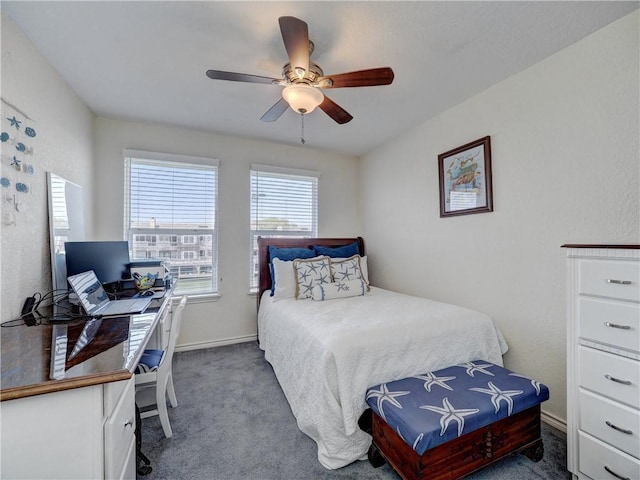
(33, 317)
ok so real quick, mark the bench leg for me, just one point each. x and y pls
(535, 452)
(375, 457)
(365, 422)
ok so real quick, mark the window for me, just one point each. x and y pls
(170, 239)
(149, 240)
(284, 203)
(171, 201)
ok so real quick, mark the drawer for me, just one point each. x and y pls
(611, 422)
(603, 462)
(601, 277)
(112, 394)
(128, 471)
(610, 322)
(119, 432)
(610, 375)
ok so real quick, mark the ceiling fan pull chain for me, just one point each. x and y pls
(302, 128)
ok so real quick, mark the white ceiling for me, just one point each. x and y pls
(147, 60)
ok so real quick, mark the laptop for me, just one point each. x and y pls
(95, 300)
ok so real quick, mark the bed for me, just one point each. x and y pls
(326, 354)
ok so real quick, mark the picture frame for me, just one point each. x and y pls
(465, 179)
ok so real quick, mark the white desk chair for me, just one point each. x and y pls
(154, 370)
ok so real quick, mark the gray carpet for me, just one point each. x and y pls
(233, 422)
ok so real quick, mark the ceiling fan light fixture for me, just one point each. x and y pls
(302, 98)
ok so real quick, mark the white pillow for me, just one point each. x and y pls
(329, 291)
(365, 269)
(284, 277)
(310, 272)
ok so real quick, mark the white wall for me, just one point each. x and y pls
(564, 137)
(63, 145)
(233, 316)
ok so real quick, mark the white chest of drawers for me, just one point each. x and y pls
(603, 362)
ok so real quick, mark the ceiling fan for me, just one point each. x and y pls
(304, 80)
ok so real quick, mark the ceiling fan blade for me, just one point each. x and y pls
(335, 111)
(295, 35)
(361, 78)
(241, 77)
(275, 111)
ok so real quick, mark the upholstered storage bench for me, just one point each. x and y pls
(451, 422)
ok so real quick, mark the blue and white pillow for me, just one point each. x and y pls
(150, 361)
(309, 273)
(363, 267)
(330, 291)
(343, 270)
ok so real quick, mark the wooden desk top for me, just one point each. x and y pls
(53, 357)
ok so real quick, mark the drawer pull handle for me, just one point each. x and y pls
(615, 427)
(615, 325)
(129, 423)
(615, 474)
(619, 282)
(617, 380)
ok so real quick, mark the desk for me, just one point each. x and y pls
(67, 396)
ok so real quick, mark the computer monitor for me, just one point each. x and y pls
(109, 260)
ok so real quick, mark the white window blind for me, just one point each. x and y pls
(170, 213)
(59, 205)
(284, 203)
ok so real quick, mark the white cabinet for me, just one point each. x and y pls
(603, 362)
(81, 433)
(70, 413)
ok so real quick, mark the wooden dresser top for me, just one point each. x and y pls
(47, 358)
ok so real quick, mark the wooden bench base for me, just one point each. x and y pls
(452, 460)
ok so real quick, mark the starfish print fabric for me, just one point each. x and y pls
(346, 269)
(339, 289)
(310, 273)
(430, 409)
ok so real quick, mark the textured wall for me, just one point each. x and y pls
(564, 137)
(63, 144)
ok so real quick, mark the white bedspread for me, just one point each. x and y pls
(327, 354)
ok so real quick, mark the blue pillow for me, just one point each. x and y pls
(286, 255)
(338, 252)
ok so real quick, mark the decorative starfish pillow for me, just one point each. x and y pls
(329, 291)
(310, 273)
(347, 269)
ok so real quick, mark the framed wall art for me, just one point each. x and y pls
(465, 179)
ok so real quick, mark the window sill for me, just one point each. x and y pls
(201, 297)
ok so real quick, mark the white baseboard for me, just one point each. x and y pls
(554, 421)
(216, 343)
